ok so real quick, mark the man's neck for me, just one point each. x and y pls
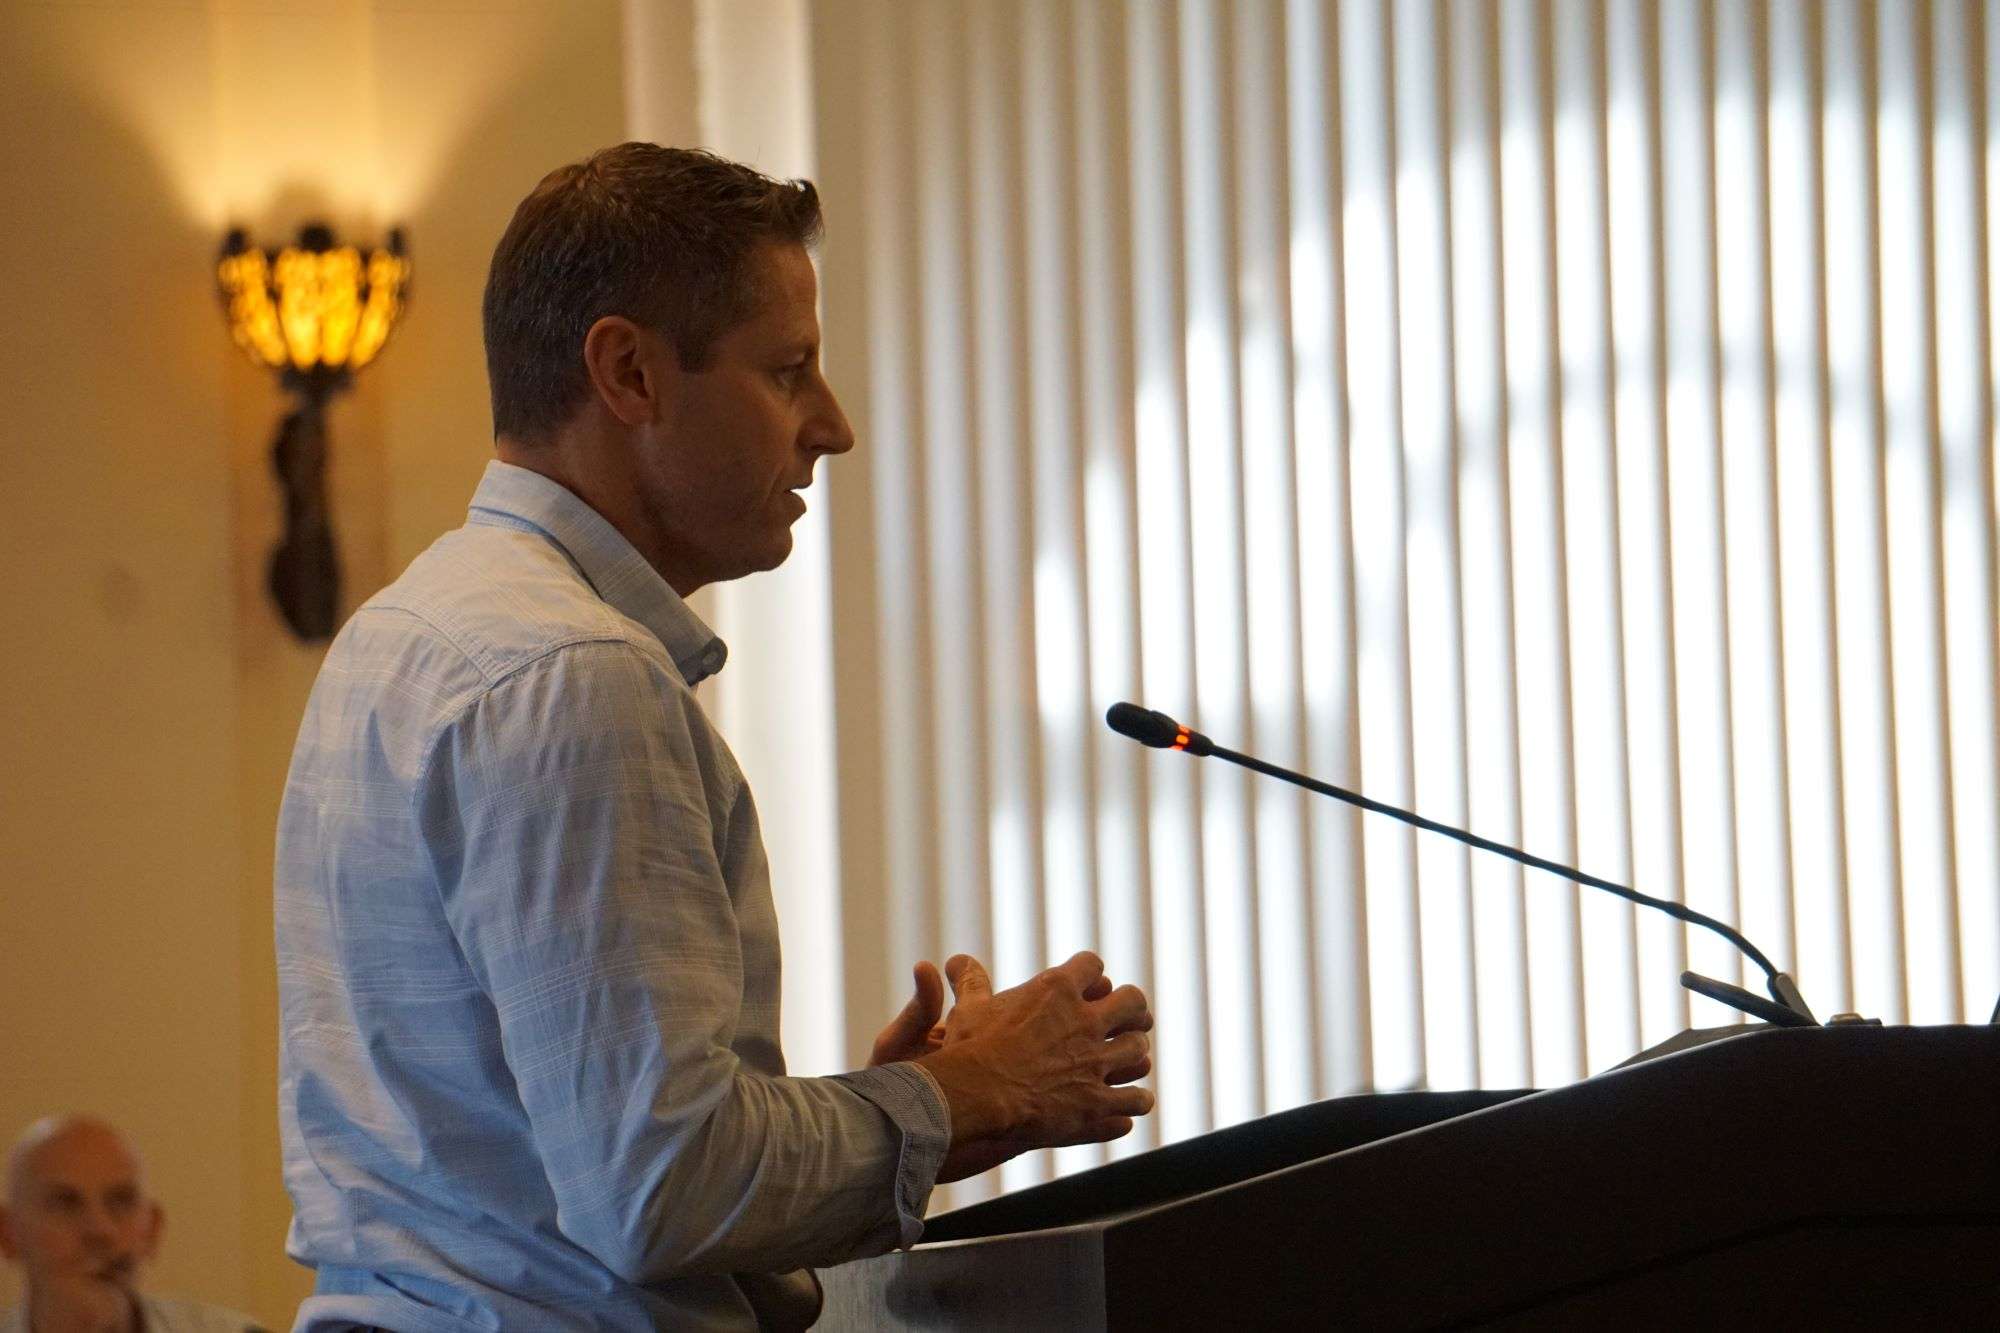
(599, 474)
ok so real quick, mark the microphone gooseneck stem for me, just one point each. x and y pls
(1672, 909)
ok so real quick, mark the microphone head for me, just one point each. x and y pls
(1150, 727)
(1143, 725)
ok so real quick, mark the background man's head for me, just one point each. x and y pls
(75, 1208)
(662, 236)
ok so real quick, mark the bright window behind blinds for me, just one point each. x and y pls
(1571, 419)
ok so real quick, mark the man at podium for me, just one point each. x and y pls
(528, 956)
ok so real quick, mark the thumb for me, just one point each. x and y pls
(926, 1007)
(908, 1034)
(968, 978)
(926, 1004)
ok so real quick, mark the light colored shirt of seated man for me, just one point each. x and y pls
(79, 1223)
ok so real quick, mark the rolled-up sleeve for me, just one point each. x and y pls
(574, 825)
(914, 1103)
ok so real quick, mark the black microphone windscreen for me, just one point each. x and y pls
(1143, 725)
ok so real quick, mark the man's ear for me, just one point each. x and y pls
(9, 1247)
(156, 1226)
(631, 369)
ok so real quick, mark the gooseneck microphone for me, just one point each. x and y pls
(1150, 727)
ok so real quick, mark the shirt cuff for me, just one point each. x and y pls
(914, 1103)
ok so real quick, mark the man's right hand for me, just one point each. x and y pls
(1041, 1065)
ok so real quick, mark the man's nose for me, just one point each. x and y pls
(830, 433)
(99, 1228)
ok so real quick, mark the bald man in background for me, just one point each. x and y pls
(79, 1222)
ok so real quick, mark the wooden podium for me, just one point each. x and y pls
(1836, 1177)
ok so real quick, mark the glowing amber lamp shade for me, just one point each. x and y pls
(315, 308)
(315, 312)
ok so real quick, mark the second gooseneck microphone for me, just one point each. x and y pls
(1150, 727)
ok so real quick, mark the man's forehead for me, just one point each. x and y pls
(77, 1153)
(787, 290)
(787, 268)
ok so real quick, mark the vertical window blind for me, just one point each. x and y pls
(1571, 419)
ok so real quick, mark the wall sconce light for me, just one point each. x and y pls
(315, 312)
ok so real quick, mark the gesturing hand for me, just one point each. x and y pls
(914, 1032)
(1040, 1065)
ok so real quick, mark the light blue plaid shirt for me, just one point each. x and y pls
(528, 965)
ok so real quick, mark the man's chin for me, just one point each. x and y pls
(774, 554)
(95, 1297)
(745, 559)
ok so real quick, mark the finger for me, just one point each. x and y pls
(1126, 1101)
(1126, 1049)
(1131, 1073)
(1127, 1057)
(1082, 970)
(1099, 1131)
(1125, 1010)
(968, 978)
(1097, 989)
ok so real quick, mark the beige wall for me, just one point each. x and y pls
(148, 693)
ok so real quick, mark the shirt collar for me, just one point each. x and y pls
(516, 497)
